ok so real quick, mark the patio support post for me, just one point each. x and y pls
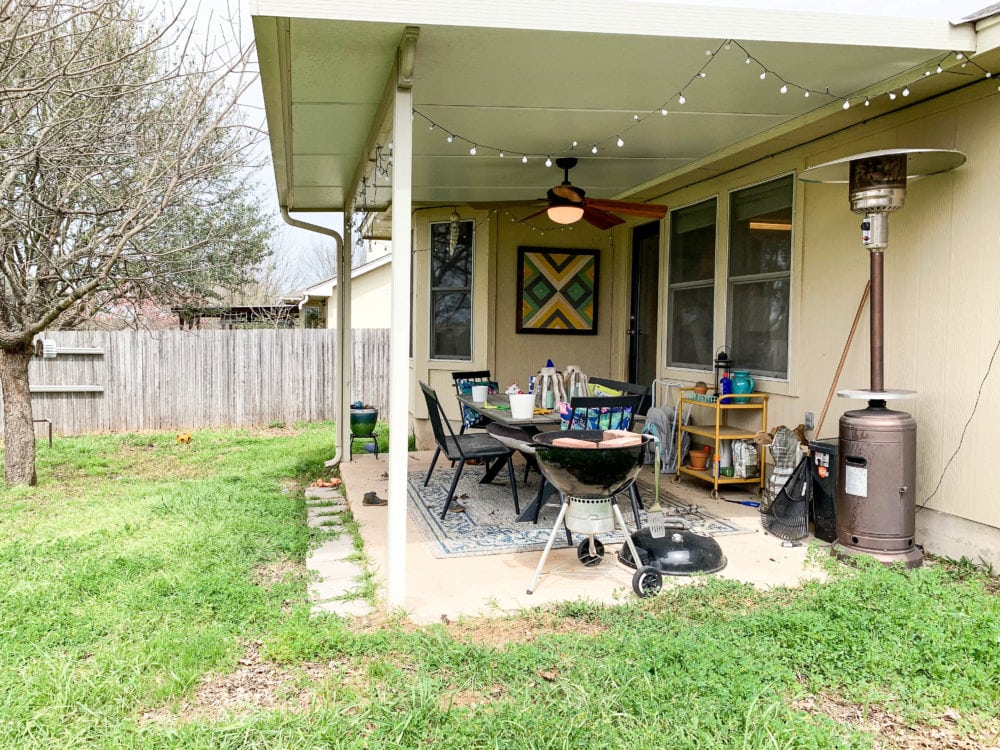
(345, 336)
(399, 383)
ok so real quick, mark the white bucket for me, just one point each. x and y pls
(479, 393)
(522, 405)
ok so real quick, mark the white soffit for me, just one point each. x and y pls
(530, 77)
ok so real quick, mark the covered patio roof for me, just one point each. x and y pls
(530, 79)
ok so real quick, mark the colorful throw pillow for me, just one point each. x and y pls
(470, 417)
(603, 390)
(594, 419)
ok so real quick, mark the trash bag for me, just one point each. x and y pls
(788, 516)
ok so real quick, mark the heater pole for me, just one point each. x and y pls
(877, 322)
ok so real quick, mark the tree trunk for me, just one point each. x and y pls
(18, 429)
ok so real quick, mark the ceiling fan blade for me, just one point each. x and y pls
(539, 212)
(599, 218)
(649, 210)
(568, 192)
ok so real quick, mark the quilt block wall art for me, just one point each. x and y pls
(557, 290)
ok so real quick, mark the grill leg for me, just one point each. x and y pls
(548, 548)
(628, 536)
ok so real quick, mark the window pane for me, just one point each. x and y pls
(451, 290)
(451, 332)
(760, 229)
(690, 336)
(759, 326)
(692, 243)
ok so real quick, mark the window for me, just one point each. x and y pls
(691, 296)
(451, 291)
(760, 266)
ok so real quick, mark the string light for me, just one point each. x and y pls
(681, 98)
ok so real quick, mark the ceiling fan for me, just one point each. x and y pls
(567, 204)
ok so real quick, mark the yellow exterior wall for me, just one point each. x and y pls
(371, 294)
(942, 305)
(512, 357)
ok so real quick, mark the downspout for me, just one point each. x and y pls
(343, 292)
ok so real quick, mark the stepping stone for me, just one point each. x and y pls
(331, 550)
(348, 608)
(324, 493)
(336, 579)
(323, 516)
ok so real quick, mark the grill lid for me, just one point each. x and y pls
(679, 553)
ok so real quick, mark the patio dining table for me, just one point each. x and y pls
(496, 408)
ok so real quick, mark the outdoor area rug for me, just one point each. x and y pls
(487, 527)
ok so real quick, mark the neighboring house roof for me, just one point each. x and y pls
(325, 287)
(532, 80)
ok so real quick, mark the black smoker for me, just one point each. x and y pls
(876, 468)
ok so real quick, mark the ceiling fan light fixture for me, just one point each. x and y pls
(565, 214)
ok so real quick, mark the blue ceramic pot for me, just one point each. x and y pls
(363, 421)
(742, 383)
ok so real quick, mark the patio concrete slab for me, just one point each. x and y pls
(344, 608)
(496, 584)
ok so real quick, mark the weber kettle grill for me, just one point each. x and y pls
(876, 470)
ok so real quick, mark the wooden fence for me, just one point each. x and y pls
(121, 381)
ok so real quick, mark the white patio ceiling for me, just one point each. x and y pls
(532, 77)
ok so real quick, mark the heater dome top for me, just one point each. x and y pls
(919, 163)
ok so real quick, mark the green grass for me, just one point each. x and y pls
(136, 571)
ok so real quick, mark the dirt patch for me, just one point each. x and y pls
(894, 733)
(470, 698)
(254, 685)
(498, 632)
(278, 571)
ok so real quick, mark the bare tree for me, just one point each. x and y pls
(123, 178)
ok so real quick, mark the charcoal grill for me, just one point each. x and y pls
(589, 478)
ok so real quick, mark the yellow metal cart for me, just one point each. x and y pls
(719, 430)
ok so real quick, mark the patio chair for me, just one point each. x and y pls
(463, 382)
(625, 389)
(461, 448)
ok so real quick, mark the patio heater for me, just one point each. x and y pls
(876, 469)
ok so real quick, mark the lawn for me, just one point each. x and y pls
(153, 595)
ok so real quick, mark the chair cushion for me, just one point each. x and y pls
(470, 417)
(592, 419)
(475, 445)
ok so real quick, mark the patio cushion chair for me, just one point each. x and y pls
(601, 413)
(463, 382)
(461, 448)
(597, 385)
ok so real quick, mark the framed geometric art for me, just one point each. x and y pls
(557, 291)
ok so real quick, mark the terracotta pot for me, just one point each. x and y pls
(698, 459)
